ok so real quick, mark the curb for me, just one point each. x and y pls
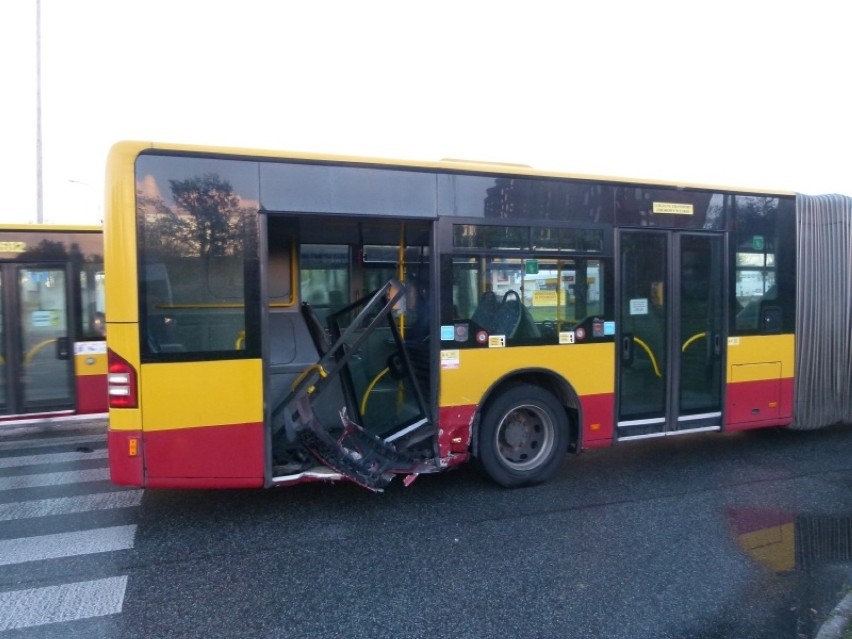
(838, 620)
(53, 424)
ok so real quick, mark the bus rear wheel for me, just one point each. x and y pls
(523, 436)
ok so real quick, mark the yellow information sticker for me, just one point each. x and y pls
(673, 208)
(13, 247)
(451, 359)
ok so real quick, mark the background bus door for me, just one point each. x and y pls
(35, 360)
(671, 332)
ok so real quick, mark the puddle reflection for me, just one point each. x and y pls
(785, 541)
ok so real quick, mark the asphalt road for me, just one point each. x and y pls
(711, 536)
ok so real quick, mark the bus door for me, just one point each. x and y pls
(347, 381)
(670, 332)
(36, 365)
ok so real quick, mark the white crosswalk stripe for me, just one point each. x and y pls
(66, 602)
(81, 542)
(35, 498)
(67, 505)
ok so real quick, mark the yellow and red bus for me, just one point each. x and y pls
(52, 324)
(276, 318)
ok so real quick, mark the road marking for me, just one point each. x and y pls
(50, 458)
(72, 544)
(67, 505)
(54, 479)
(66, 602)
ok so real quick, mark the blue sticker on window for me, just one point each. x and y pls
(609, 328)
(447, 333)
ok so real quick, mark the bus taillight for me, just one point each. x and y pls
(121, 382)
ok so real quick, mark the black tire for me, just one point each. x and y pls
(523, 436)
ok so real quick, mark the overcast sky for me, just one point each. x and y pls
(741, 93)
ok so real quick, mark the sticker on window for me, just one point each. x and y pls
(639, 306)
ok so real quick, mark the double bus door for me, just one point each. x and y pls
(671, 333)
(36, 371)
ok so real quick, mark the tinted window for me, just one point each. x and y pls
(198, 251)
(523, 238)
(670, 208)
(346, 189)
(525, 198)
(763, 265)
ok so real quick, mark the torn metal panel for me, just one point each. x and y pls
(369, 458)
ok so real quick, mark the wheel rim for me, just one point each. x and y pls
(525, 437)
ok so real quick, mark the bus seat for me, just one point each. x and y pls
(161, 335)
(509, 314)
(486, 312)
(527, 328)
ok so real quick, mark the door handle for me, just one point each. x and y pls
(62, 348)
(627, 349)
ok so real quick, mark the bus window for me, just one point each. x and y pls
(551, 295)
(758, 304)
(199, 256)
(562, 291)
(92, 301)
(382, 263)
(755, 284)
(324, 277)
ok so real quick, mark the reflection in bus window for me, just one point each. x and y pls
(196, 263)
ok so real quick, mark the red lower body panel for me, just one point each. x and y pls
(758, 404)
(91, 394)
(598, 416)
(229, 456)
(125, 457)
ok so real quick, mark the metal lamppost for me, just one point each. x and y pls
(39, 177)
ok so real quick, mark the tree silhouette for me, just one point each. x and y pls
(205, 221)
(160, 227)
(212, 226)
(47, 250)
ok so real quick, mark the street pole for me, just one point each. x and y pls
(39, 176)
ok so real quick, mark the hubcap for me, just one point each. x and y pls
(525, 437)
